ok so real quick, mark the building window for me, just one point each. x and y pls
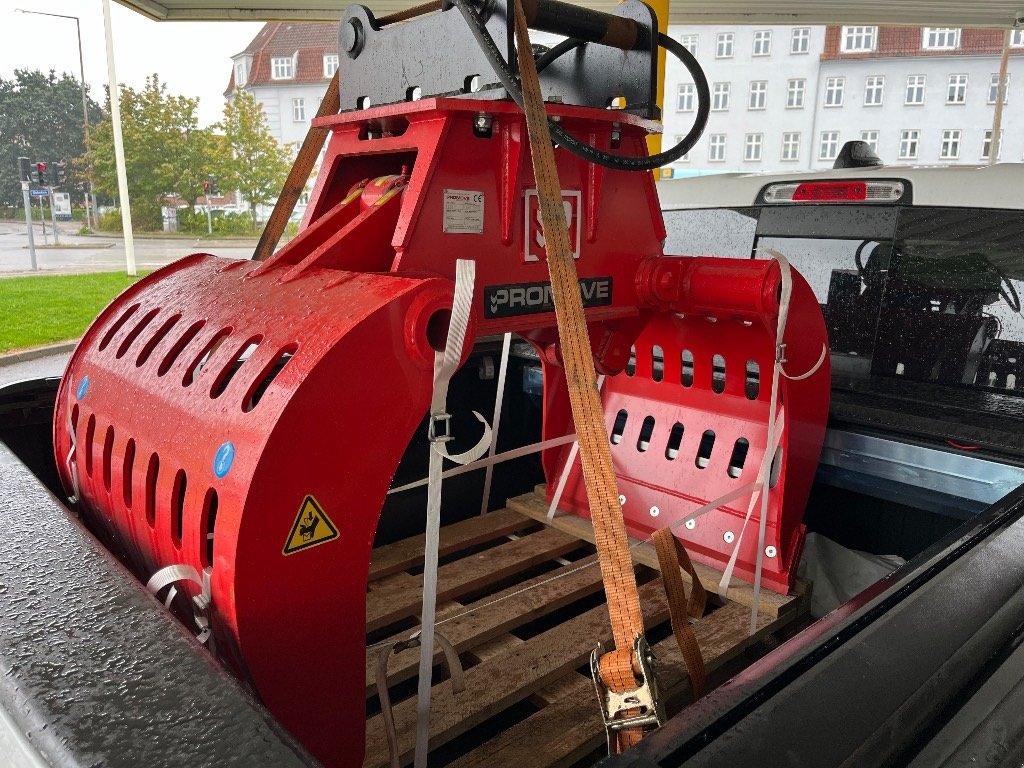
(685, 158)
(685, 97)
(940, 38)
(834, 90)
(871, 139)
(859, 39)
(795, 90)
(330, 65)
(950, 145)
(689, 42)
(763, 42)
(791, 146)
(993, 89)
(240, 74)
(829, 147)
(752, 147)
(282, 68)
(724, 45)
(298, 110)
(986, 145)
(874, 90)
(716, 148)
(720, 96)
(957, 91)
(1017, 38)
(800, 42)
(758, 94)
(910, 141)
(915, 89)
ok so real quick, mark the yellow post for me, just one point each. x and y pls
(660, 7)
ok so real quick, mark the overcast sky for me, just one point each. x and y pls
(193, 58)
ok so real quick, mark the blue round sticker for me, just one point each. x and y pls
(223, 460)
(83, 387)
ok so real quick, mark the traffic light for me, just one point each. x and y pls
(60, 174)
(41, 171)
(24, 169)
(210, 186)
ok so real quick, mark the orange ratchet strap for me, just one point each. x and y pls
(624, 677)
(671, 557)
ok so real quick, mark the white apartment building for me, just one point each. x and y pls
(762, 81)
(920, 96)
(287, 67)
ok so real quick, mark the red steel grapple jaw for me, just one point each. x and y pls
(247, 418)
(217, 424)
(688, 419)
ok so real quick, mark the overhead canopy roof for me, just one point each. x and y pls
(959, 13)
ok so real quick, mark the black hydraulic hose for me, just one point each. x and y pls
(562, 48)
(567, 140)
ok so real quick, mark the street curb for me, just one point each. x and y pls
(36, 353)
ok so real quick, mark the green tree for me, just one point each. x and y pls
(258, 165)
(41, 119)
(166, 152)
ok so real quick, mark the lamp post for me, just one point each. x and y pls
(85, 105)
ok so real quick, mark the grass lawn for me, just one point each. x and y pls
(44, 309)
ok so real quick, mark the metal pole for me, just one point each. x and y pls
(42, 220)
(85, 104)
(28, 223)
(209, 219)
(85, 125)
(53, 218)
(122, 176)
(995, 146)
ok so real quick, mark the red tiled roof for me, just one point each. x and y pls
(906, 42)
(279, 38)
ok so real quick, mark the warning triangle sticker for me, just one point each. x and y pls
(311, 527)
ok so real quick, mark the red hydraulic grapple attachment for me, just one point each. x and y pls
(246, 418)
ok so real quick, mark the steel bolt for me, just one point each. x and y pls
(622, 499)
(729, 537)
(770, 552)
(691, 524)
(655, 511)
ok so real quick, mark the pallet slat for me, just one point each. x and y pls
(400, 555)
(399, 596)
(495, 615)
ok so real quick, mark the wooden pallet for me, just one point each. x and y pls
(521, 602)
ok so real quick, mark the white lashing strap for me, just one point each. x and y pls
(515, 453)
(69, 461)
(499, 398)
(775, 430)
(445, 364)
(759, 491)
(201, 603)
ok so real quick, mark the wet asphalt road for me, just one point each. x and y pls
(94, 253)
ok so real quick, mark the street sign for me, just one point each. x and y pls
(39, 192)
(62, 206)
